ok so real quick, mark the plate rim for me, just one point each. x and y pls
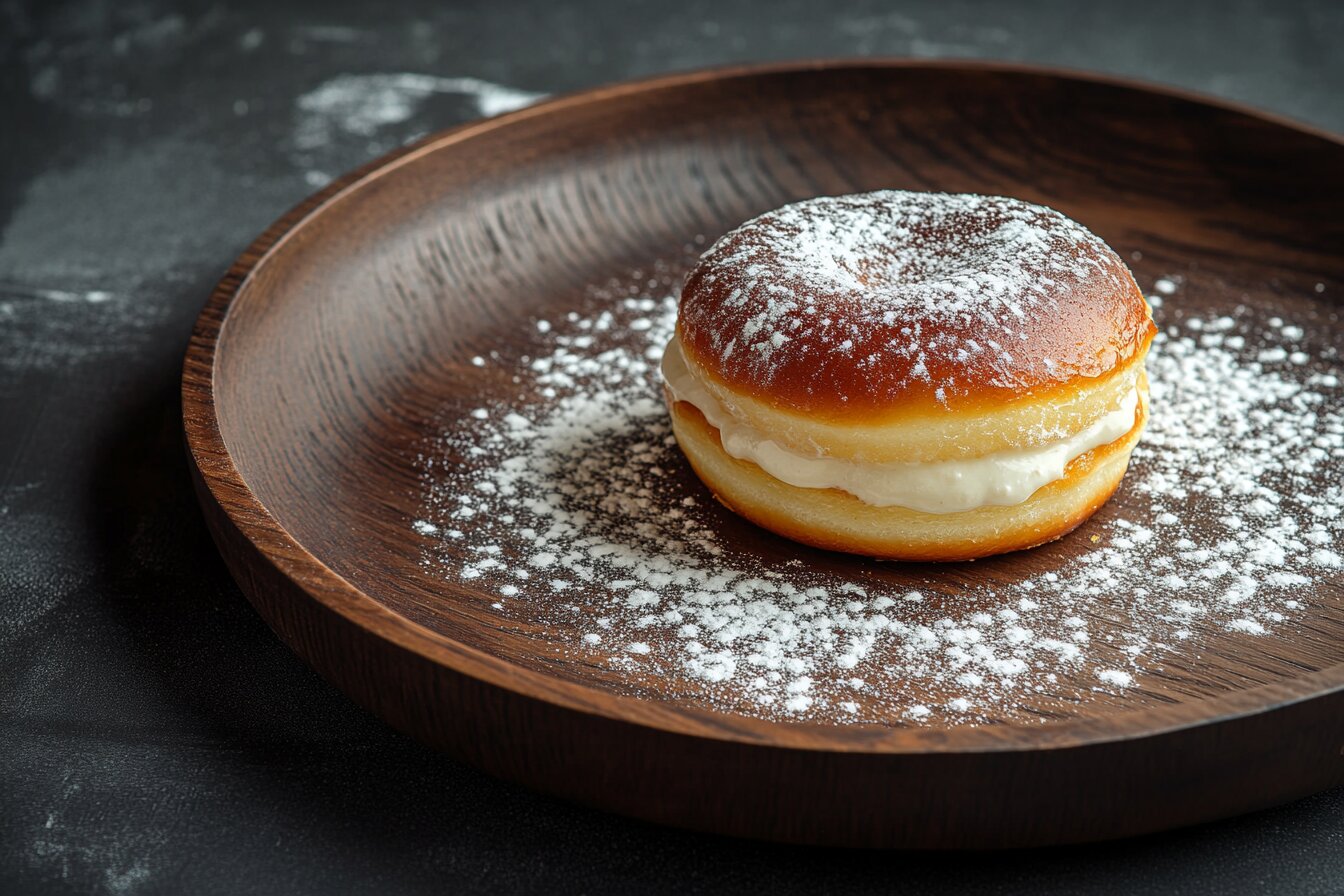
(215, 470)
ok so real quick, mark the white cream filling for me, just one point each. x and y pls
(1002, 478)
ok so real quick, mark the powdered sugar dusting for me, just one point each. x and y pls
(574, 510)
(941, 289)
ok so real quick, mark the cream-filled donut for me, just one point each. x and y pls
(905, 375)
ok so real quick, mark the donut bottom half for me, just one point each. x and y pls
(838, 521)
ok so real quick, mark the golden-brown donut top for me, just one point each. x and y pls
(855, 306)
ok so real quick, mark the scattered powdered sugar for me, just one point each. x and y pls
(362, 104)
(373, 112)
(575, 510)
(1118, 677)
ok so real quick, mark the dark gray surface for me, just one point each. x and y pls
(154, 735)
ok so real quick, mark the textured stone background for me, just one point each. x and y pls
(154, 735)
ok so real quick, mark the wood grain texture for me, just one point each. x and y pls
(335, 342)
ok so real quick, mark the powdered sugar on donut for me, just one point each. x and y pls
(875, 298)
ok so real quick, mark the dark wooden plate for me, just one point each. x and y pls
(337, 345)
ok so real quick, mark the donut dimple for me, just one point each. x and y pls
(852, 305)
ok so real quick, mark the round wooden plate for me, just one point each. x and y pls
(327, 356)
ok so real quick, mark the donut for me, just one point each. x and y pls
(910, 376)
